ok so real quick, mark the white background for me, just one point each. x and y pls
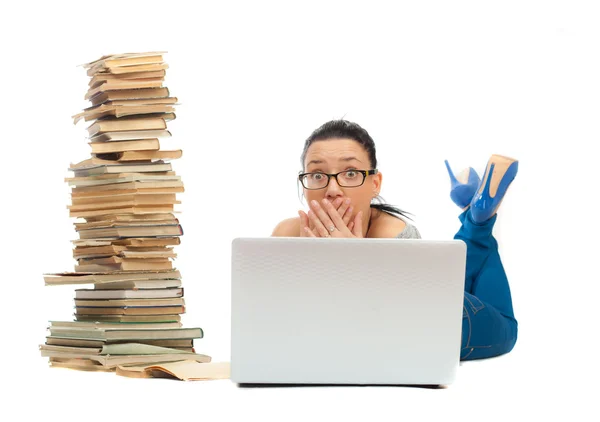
(428, 80)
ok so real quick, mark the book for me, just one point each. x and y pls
(129, 241)
(106, 110)
(158, 310)
(133, 303)
(82, 252)
(121, 146)
(142, 101)
(101, 332)
(150, 67)
(112, 85)
(122, 264)
(93, 181)
(101, 77)
(140, 284)
(58, 325)
(142, 155)
(124, 210)
(102, 208)
(58, 279)
(129, 94)
(132, 222)
(185, 344)
(79, 364)
(162, 252)
(165, 116)
(128, 217)
(123, 199)
(129, 318)
(129, 294)
(165, 253)
(113, 361)
(124, 59)
(140, 231)
(110, 349)
(127, 188)
(130, 135)
(119, 195)
(127, 220)
(120, 125)
(136, 68)
(185, 370)
(98, 169)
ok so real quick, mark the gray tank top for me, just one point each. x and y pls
(409, 232)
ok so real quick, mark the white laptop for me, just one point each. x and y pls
(346, 311)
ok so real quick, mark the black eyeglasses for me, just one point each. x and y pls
(346, 179)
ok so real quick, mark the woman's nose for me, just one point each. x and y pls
(333, 189)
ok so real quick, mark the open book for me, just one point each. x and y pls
(186, 370)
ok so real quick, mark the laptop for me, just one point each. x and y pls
(346, 311)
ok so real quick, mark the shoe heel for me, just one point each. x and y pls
(499, 174)
(463, 188)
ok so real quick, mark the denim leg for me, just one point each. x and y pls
(480, 243)
(489, 326)
(485, 331)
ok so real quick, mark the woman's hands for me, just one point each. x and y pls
(330, 220)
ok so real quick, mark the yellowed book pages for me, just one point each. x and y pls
(163, 310)
(136, 199)
(121, 146)
(57, 279)
(98, 78)
(128, 265)
(126, 210)
(142, 200)
(129, 57)
(148, 254)
(129, 94)
(114, 223)
(126, 84)
(142, 155)
(78, 364)
(125, 217)
(129, 318)
(121, 111)
(116, 360)
(135, 242)
(128, 188)
(185, 370)
(144, 101)
(138, 68)
(93, 182)
(126, 125)
(109, 303)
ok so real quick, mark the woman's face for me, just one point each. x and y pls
(336, 155)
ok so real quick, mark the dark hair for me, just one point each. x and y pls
(350, 130)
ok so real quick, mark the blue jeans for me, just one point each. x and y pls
(489, 325)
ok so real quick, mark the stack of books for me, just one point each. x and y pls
(124, 198)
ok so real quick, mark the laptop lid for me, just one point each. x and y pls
(346, 311)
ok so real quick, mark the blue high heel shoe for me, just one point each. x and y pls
(463, 187)
(499, 174)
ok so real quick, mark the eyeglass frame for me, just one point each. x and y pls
(365, 173)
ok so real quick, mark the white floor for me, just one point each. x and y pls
(512, 387)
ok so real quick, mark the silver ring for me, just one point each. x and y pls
(331, 229)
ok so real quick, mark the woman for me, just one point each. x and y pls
(340, 181)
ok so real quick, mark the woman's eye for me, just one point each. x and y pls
(317, 176)
(351, 174)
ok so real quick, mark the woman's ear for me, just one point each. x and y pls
(376, 183)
